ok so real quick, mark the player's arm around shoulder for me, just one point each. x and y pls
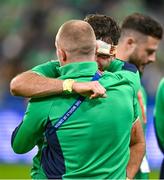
(42, 81)
(30, 130)
(38, 82)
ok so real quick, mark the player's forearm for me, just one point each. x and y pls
(29, 84)
(137, 149)
(137, 152)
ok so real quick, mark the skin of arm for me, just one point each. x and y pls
(137, 149)
(38, 82)
(30, 84)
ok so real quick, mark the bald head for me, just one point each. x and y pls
(76, 38)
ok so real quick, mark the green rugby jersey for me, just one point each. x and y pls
(118, 65)
(94, 141)
(50, 68)
(159, 115)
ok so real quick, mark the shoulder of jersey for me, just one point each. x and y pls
(130, 67)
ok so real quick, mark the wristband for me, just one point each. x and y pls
(67, 85)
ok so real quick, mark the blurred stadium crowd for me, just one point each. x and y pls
(28, 29)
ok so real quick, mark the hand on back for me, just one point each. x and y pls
(90, 89)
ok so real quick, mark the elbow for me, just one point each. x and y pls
(21, 148)
(14, 87)
(19, 88)
(18, 150)
(16, 144)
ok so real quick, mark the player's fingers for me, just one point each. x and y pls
(96, 94)
(93, 96)
(99, 89)
(104, 95)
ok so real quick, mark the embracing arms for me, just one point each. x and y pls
(30, 84)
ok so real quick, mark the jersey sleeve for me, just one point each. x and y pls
(48, 69)
(30, 130)
(159, 115)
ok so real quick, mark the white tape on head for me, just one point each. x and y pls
(103, 48)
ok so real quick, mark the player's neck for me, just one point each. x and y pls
(122, 52)
(122, 56)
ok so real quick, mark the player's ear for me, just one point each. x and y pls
(130, 41)
(131, 44)
(114, 56)
(61, 54)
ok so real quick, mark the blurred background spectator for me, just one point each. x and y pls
(27, 32)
